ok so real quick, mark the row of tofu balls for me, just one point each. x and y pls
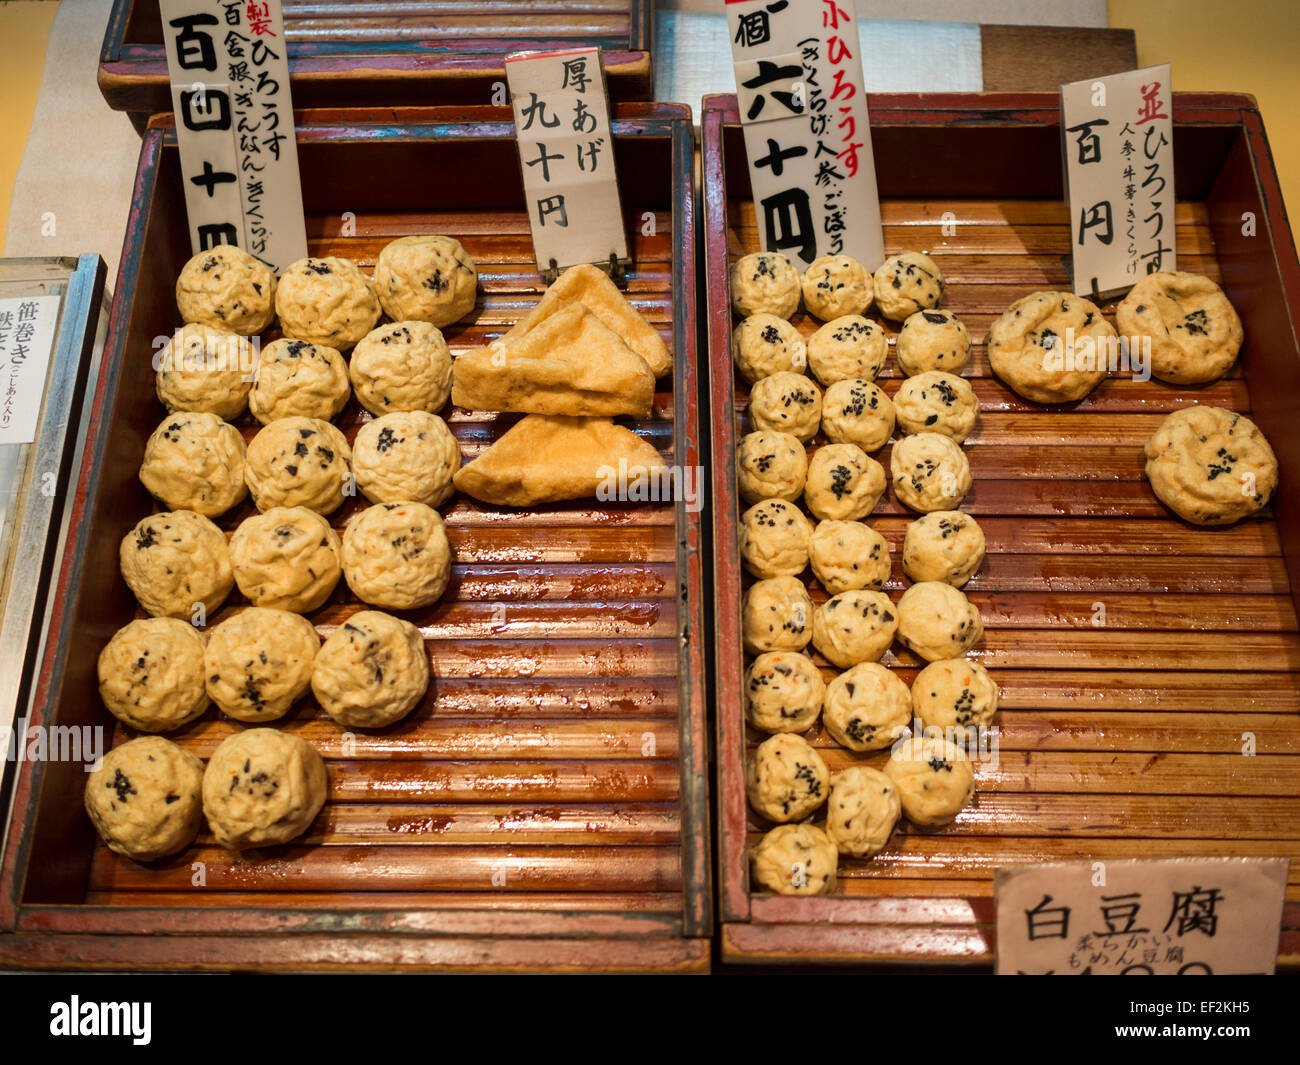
(161, 673)
(867, 707)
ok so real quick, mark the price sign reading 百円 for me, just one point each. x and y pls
(1119, 168)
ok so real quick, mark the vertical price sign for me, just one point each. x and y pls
(229, 72)
(1118, 142)
(807, 132)
(566, 154)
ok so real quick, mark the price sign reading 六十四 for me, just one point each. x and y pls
(26, 336)
(234, 123)
(803, 110)
(1118, 141)
(566, 153)
(1180, 916)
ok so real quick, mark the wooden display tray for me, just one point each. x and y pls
(352, 53)
(1116, 742)
(562, 747)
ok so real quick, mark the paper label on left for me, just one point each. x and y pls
(27, 327)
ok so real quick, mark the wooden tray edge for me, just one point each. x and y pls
(696, 893)
(353, 953)
(743, 937)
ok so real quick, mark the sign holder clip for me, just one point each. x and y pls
(614, 266)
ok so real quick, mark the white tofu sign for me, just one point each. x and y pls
(807, 132)
(566, 153)
(1118, 136)
(1177, 917)
(229, 74)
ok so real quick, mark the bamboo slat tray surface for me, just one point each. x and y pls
(1121, 741)
(546, 806)
(345, 53)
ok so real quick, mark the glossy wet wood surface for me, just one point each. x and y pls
(544, 757)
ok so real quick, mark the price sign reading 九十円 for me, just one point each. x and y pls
(566, 152)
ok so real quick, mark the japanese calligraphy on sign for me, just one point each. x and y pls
(26, 337)
(807, 133)
(1119, 170)
(234, 122)
(566, 152)
(1141, 917)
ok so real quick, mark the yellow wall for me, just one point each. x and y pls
(24, 29)
(1247, 46)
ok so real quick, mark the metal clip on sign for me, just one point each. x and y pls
(614, 266)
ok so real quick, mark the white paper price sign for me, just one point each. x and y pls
(234, 123)
(566, 153)
(807, 132)
(1118, 140)
(26, 337)
(1192, 916)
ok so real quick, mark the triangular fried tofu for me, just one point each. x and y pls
(542, 459)
(570, 363)
(592, 286)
